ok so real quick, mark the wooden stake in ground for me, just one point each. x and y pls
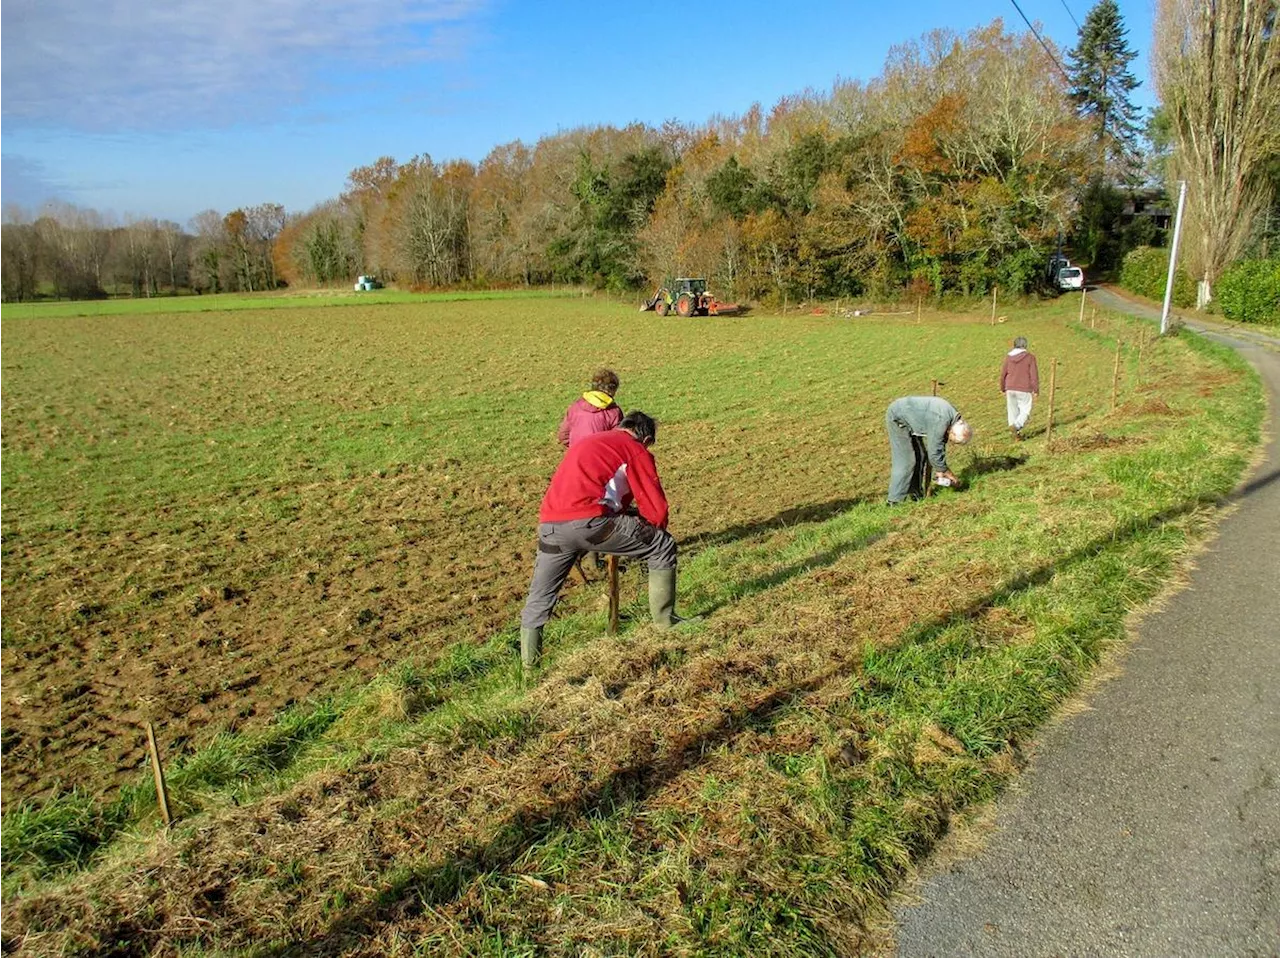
(1115, 377)
(162, 793)
(934, 386)
(613, 595)
(919, 302)
(1093, 318)
(1142, 342)
(993, 304)
(1053, 382)
(1084, 293)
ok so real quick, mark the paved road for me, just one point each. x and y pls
(1150, 824)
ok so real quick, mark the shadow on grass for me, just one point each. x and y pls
(1057, 424)
(440, 883)
(986, 465)
(750, 587)
(812, 512)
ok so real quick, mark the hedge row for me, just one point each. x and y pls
(1249, 291)
(1145, 271)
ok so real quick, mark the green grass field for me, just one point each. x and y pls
(298, 541)
(285, 299)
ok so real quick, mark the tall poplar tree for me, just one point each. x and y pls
(1217, 69)
(1101, 84)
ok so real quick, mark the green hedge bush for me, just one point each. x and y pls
(1145, 270)
(1249, 291)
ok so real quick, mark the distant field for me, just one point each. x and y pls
(285, 299)
(208, 518)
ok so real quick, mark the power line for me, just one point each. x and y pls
(1070, 14)
(1047, 49)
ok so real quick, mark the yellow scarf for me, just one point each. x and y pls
(598, 399)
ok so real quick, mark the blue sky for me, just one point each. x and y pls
(144, 108)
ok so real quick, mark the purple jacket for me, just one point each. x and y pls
(594, 412)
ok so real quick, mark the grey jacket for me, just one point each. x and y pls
(929, 417)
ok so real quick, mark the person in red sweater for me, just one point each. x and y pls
(593, 412)
(586, 508)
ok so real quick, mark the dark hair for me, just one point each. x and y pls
(605, 381)
(640, 425)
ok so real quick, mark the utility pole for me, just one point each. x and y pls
(1173, 258)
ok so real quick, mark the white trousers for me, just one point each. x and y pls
(1019, 404)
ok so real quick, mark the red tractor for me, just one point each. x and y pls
(687, 297)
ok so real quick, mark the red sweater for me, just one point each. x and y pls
(577, 490)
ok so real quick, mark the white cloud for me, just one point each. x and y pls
(142, 65)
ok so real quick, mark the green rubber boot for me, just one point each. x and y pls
(530, 646)
(662, 599)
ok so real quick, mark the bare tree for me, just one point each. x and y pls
(139, 256)
(20, 254)
(96, 239)
(1217, 67)
(173, 243)
(208, 254)
(263, 224)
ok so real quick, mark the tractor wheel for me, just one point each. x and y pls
(685, 305)
(662, 308)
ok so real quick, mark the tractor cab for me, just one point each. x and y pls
(694, 287)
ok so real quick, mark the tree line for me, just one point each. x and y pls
(73, 253)
(954, 170)
(958, 168)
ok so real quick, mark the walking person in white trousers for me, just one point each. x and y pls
(1020, 383)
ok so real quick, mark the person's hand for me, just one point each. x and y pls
(950, 477)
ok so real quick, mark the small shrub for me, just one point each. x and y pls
(1145, 270)
(1249, 291)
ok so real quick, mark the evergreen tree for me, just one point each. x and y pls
(1101, 84)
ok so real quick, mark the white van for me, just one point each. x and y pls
(1070, 277)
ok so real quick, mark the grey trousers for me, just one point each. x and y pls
(910, 461)
(560, 544)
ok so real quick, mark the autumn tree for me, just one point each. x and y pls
(320, 247)
(502, 253)
(429, 211)
(990, 165)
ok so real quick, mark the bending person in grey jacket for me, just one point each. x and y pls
(919, 429)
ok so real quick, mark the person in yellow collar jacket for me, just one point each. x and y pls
(595, 411)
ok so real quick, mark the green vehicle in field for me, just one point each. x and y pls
(687, 296)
